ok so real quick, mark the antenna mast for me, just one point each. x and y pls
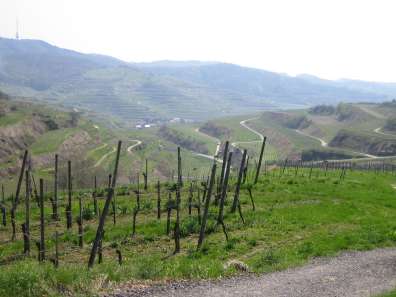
(17, 30)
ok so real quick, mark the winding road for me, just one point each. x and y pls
(236, 143)
(104, 157)
(367, 156)
(218, 143)
(378, 131)
(322, 142)
(137, 143)
(100, 161)
(243, 124)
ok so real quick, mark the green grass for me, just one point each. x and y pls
(12, 118)
(50, 141)
(390, 294)
(296, 219)
(238, 133)
(190, 130)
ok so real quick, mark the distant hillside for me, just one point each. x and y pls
(384, 89)
(274, 87)
(161, 90)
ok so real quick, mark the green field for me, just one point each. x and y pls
(296, 219)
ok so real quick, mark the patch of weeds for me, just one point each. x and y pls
(148, 268)
(147, 205)
(149, 238)
(252, 242)
(230, 244)
(375, 237)
(189, 226)
(268, 258)
(306, 249)
(88, 214)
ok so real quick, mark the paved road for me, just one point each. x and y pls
(354, 274)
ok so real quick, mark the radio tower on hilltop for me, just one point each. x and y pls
(17, 30)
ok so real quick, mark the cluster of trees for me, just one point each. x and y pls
(3, 95)
(182, 140)
(344, 111)
(49, 122)
(74, 118)
(217, 131)
(323, 110)
(391, 104)
(298, 122)
(320, 155)
(391, 124)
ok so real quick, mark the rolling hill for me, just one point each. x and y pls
(160, 90)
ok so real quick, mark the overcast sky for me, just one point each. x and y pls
(329, 38)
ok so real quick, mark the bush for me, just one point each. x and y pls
(189, 226)
(182, 140)
(391, 124)
(322, 110)
(344, 111)
(300, 122)
(215, 130)
(88, 214)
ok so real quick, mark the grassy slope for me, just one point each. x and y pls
(295, 219)
(241, 134)
(284, 141)
(49, 142)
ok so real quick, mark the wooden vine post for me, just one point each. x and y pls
(245, 170)
(95, 199)
(26, 231)
(105, 211)
(80, 223)
(220, 218)
(69, 201)
(190, 199)
(260, 160)
(206, 209)
(178, 200)
(239, 181)
(56, 261)
(54, 201)
(145, 176)
(223, 168)
(168, 213)
(158, 200)
(42, 225)
(113, 203)
(4, 214)
(224, 190)
(16, 200)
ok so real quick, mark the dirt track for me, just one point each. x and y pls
(354, 274)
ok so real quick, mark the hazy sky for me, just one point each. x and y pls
(328, 38)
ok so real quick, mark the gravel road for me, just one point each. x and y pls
(352, 274)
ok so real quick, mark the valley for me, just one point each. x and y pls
(159, 131)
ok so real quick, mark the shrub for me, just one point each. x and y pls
(391, 124)
(87, 214)
(322, 110)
